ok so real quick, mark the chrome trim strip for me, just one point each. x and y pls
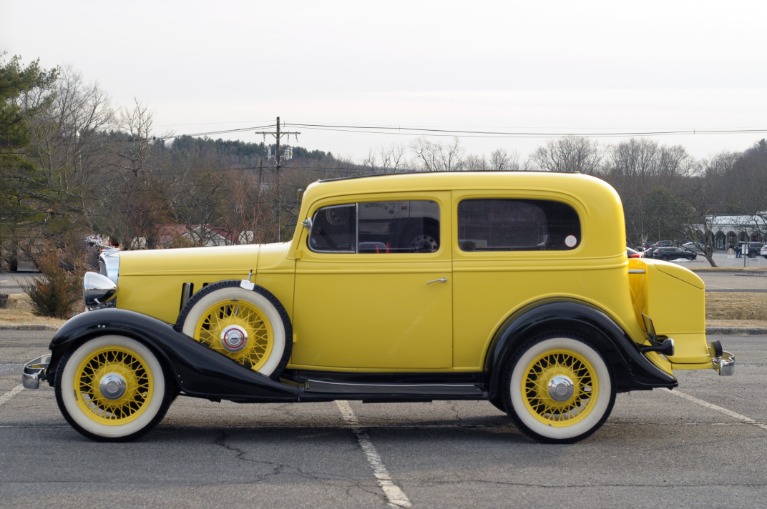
(321, 386)
(636, 271)
(109, 264)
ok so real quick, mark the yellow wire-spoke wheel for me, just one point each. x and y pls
(237, 329)
(113, 385)
(559, 387)
(243, 321)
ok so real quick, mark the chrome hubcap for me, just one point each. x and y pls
(561, 388)
(112, 386)
(234, 338)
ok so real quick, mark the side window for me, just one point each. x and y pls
(334, 229)
(517, 225)
(377, 227)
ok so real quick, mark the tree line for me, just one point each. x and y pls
(72, 165)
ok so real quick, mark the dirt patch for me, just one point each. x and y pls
(750, 307)
(19, 312)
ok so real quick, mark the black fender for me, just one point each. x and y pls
(197, 370)
(631, 369)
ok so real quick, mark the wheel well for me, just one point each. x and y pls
(170, 376)
(567, 318)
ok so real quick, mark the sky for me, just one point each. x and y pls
(525, 71)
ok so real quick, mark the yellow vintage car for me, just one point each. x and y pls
(511, 287)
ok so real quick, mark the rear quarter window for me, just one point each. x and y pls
(517, 225)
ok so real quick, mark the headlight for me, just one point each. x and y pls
(98, 290)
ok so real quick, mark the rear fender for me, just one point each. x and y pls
(630, 368)
(197, 370)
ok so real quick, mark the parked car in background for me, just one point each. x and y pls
(673, 253)
(508, 287)
(763, 251)
(694, 247)
(752, 249)
(633, 253)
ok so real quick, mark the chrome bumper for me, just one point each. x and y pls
(724, 364)
(34, 371)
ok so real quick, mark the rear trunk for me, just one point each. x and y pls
(674, 298)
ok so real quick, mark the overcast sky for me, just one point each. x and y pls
(548, 67)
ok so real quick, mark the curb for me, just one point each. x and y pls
(737, 331)
(29, 327)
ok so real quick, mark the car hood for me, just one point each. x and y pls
(191, 261)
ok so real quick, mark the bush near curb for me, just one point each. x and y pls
(57, 292)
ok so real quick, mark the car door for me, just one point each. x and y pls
(511, 251)
(373, 286)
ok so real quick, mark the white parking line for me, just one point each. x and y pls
(394, 495)
(8, 395)
(708, 405)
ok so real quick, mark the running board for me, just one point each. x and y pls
(325, 387)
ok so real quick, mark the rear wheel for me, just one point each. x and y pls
(558, 388)
(112, 388)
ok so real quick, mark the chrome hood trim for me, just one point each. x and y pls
(109, 264)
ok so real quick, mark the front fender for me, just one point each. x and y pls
(632, 370)
(197, 370)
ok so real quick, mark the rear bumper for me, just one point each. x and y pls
(34, 371)
(724, 364)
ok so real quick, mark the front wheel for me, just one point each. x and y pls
(112, 388)
(558, 389)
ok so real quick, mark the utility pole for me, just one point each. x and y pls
(278, 134)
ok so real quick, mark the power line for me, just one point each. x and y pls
(209, 133)
(426, 131)
(459, 132)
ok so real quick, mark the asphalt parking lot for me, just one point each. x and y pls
(702, 445)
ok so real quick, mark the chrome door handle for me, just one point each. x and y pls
(440, 280)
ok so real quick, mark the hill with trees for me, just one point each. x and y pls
(72, 165)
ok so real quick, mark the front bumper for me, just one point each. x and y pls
(34, 371)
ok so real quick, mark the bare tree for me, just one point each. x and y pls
(388, 159)
(500, 160)
(747, 180)
(569, 154)
(475, 163)
(704, 196)
(436, 156)
(651, 180)
(141, 191)
(137, 124)
(66, 141)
